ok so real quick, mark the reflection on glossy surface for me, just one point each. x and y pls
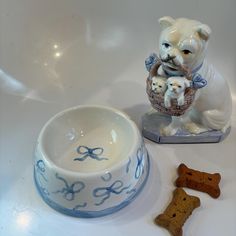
(113, 38)
(57, 54)
(10, 85)
(72, 134)
(114, 136)
(234, 98)
(23, 220)
(95, 70)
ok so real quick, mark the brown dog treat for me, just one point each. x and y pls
(201, 181)
(177, 212)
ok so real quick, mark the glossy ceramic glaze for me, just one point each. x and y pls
(183, 43)
(90, 161)
(103, 45)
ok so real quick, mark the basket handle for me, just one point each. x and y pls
(154, 70)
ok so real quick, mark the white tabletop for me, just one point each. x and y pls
(55, 54)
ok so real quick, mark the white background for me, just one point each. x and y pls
(55, 54)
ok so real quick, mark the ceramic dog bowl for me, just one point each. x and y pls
(90, 161)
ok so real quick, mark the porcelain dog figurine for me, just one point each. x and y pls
(176, 88)
(184, 42)
(159, 85)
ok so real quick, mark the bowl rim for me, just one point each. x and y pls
(134, 145)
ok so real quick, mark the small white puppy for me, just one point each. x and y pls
(175, 89)
(159, 85)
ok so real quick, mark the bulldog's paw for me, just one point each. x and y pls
(180, 101)
(194, 128)
(168, 131)
(167, 102)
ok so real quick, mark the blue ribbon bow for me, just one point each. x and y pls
(41, 168)
(86, 152)
(198, 81)
(151, 61)
(69, 191)
(106, 192)
(140, 163)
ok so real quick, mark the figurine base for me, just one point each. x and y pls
(152, 122)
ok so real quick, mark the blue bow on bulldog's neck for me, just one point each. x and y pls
(197, 80)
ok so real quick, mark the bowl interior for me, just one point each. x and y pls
(88, 139)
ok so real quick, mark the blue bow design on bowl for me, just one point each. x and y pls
(128, 165)
(140, 163)
(86, 152)
(105, 192)
(69, 191)
(77, 207)
(40, 168)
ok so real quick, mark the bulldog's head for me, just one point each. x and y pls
(182, 42)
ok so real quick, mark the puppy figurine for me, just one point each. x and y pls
(175, 89)
(159, 85)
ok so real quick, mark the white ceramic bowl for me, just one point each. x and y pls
(90, 161)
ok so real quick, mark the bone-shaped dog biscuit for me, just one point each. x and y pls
(201, 181)
(177, 212)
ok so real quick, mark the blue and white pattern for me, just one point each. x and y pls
(77, 207)
(133, 190)
(105, 192)
(140, 162)
(41, 172)
(40, 169)
(80, 209)
(86, 152)
(151, 61)
(116, 193)
(198, 81)
(107, 177)
(128, 165)
(69, 191)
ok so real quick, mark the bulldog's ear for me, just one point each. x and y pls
(204, 31)
(166, 21)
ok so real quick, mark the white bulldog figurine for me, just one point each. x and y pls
(175, 89)
(184, 42)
